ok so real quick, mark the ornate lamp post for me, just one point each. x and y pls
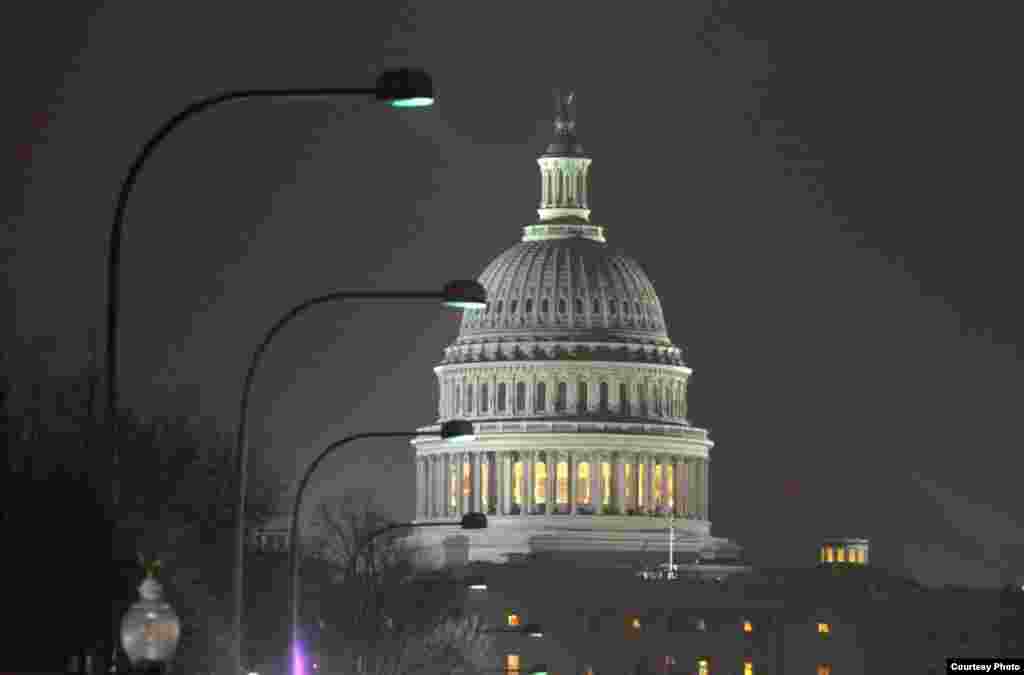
(453, 430)
(150, 629)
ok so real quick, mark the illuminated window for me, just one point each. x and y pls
(641, 475)
(517, 482)
(824, 669)
(467, 479)
(748, 667)
(671, 485)
(513, 619)
(656, 483)
(748, 627)
(485, 470)
(606, 483)
(540, 482)
(840, 554)
(562, 474)
(583, 483)
(703, 667)
(828, 554)
(512, 663)
(824, 628)
(627, 471)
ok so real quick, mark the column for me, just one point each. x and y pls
(663, 461)
(679, 478)
(504, 483)
(619, 483)
(492, 481)
(475, 498)
(649, 483)
(552, 481)
(435, 486)
(707, 495)
(698, 491)
(446, 509)
(595, 482)
(524, 487)
(421, 488)
(570, 464)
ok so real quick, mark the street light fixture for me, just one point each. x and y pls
(150, 629)
(455, 294)
(450, 430)
(532, 630)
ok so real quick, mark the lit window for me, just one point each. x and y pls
(828, 554)
(748, 627)
(634, 623)
(513, 619)
(748, 667)
(840, 555)
(824, 669)
(824, 628)
(703, 667)
(512, 663)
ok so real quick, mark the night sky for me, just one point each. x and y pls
(817, 191)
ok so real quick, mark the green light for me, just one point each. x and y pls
(465, 304)
(414, 102)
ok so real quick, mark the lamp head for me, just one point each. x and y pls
(457, 431)
(405, 88)
(533, 630)
(464, 294)
(476, 584)
(539, 669)
(474, 520)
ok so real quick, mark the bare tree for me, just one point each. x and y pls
(377, 617)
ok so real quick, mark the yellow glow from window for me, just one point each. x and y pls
(453, 486)
(828, 554)
(628, 475)
(656, 487)
(824, 628)
(562, 471)
(824, 669)
(703, 667)
(540, 482)
(748, 627)
(583, 483)
(513, 619)
(512, 662)
(635, 623)
(641, 474)
(748, 667)
(484, 479)
(606, 483)
(671, 472)
(840, 554)
(467, 482)
(517, 483)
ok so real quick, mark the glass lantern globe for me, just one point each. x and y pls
(150, 629)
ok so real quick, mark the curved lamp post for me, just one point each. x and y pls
(401, 88)
(453, 430)
(463, 294)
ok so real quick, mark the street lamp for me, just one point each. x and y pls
(465, 294)
(401, 88)
(150, 629)
(532, 630)
(452, 430)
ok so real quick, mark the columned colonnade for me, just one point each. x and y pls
(449, 484)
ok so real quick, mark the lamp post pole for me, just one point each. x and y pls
(450, 429)
(454, 294)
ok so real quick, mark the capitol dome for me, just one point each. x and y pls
(577, 396)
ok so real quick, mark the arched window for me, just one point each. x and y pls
(512, 307)
(597, 306)
(623, 399)
(520, 396)
(579, 306)
(544, 306)
(604, 397)
(581, 397)
(458, 398)
(611, 307)
(562, 396)
(498, 310)
(540, 399)
(502, 392)
(562, 308)
(469, 398)
(484, 403)
(529, 305)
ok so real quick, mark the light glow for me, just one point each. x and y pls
(413, 102)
